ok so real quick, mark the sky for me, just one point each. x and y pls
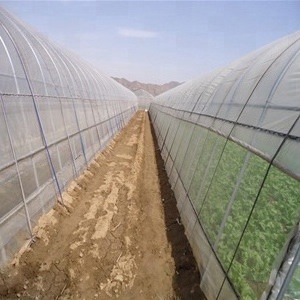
(159, 41)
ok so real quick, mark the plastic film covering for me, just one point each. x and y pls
(56, 114)
(231, 142)
(144, 98)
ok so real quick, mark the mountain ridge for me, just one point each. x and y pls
(153, 89)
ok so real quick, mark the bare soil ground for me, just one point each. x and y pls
(115, 237)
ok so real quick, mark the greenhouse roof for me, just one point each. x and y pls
(253, 101)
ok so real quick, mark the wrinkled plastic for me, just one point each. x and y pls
(56, 113)
(231, 142)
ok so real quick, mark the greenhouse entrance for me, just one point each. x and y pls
(119, 234)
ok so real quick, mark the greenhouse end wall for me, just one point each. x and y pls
(231, 142)
(144, 99)
(56, 114)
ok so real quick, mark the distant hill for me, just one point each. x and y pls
(153, 89)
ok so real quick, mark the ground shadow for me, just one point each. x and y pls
(187, 278)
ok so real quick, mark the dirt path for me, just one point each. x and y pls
(114, 239)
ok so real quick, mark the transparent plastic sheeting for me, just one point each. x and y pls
(144, 98)
(231, 142)
(56, 114)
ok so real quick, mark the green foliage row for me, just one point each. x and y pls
(222, 177)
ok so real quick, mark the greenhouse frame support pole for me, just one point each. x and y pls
(181, 139)
(59, 98)
(256, 200)
(109, 121)
(17, 167)
(97, 133)
(164, 130)
(155, 127)
(46, 147)
(80, 136)
(68, 136)
(189, 184)
(289, 274)
(36, 111)
(165, 138)
(207, 169)
(77, 121)
(93, 111)
(232, 198)
(185, 154)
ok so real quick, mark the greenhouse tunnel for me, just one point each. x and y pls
(144, 99)
(56, 114)
(231, 142)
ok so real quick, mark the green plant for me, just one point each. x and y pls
(229, 181)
